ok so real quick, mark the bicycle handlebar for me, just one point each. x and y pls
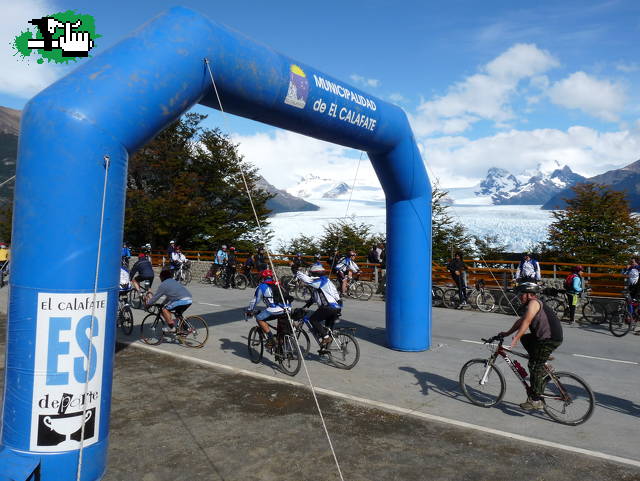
(497, 337)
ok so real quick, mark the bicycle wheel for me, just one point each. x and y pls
(186, 277)
(510, 304)
(193, 331)
(568, 399)
(135, 300)
(485, 301)
(363, 291)
(126, 319)
(255, 344)
(450, 298)
(344, 350)
(303, 341)
(303, 293)
(151, 329)
(240, 281)
(288, 357)
(485, 394)
(592, 314)
(205, 279)
(436, 296)
(620, 323)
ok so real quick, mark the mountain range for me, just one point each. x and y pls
(626, 179)
(504, 188)
(10, 129)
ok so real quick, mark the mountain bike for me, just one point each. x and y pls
(214, 275)
(478, 297)
(436, 296)
(4, 273)
(283, 347)
(356, 288)
(594, 312)
(625, 318)
(566, 398)
(297, 288)
(191, 331)
(124, 318)
(342, 352)
(182, 273)
(136, 298)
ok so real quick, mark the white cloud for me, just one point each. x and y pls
(284, 156)
(460, 162)
(484, 95)
(397, 98)
(599, 98)
(628, 67)
(23, 78)
(364, 82)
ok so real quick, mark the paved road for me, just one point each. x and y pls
(427, 382)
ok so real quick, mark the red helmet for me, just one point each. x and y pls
(577, 268)
(266, 273)
(141, 256)
(232, 248)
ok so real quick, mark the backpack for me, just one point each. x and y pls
(568, 282)
(278, 298)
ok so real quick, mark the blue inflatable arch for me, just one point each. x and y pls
(76, 137)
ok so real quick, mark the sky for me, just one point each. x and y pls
(517, 85)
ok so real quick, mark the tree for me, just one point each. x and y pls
(340, 235)
(187, 184)
(597, 227)
(488, 247)
(447, 235)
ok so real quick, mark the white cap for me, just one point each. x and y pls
(172, 242)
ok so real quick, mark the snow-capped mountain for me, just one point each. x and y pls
(314, 187)
(504, 188)
(497, 182)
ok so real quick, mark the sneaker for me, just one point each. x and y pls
(169, 330)
(531, 405)
(464, 303)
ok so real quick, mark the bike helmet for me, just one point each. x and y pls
(524, 287)
(172, 242)
(577, 268)
(266, 273)
(223, 246)
(316, 270)
(141, 256)
(317, 256)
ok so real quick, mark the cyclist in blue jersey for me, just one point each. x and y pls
(345, 268)
(274, 297)
(141, 271)
(326, 296)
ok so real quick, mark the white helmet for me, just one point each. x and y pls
(172, 242)
(224, 246)
(316, 270)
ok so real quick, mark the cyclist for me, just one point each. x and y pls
(345, 268)
(4, 263)
(126, 255)
(326, 296)
(297, 263)
(573, 285)
(268, 291)
(544, 338)
(528, 269)
(230, 270)
(171, 249)
(457, 268)
(125, 285)
(316, 260)
(144, 271)
(177, 298)
(177, 258)
(632, 271)
(260, 259)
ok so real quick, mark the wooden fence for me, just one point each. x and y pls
(604, 280)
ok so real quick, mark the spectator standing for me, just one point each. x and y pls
(528, 270)
(632, 271)
(230, 271)
(171, 249)
(573, 285)
(457, 268)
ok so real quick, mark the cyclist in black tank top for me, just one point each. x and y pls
(544, 338)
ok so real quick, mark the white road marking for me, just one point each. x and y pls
(474, 342)
(604, 359)
(209, 304)
(397, 409)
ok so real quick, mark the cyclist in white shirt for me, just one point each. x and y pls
(345, 268)
(326, 296)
